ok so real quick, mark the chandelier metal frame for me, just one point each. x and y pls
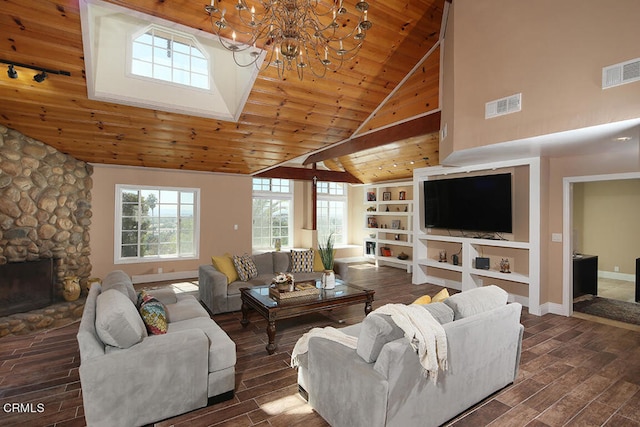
(295, 34)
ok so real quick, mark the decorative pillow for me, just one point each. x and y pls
(224, 264)
(376, 331)
(440, 296)
(154, 314)
(264, 263)
(245, 267)
(302, 261)
(440, 311)
(118, 323)
(281, 262)
(121, 281)
(475, 301)
(424, 299)
(317, 260)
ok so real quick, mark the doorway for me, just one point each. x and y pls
(600, 215)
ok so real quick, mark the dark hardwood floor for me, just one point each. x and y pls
(573, 372)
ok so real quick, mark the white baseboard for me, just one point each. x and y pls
(175, 275)
(552, 308)
(519, 298)
(616, 275)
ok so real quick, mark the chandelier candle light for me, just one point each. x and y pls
(296, 34)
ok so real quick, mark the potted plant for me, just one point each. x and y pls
(327, 254)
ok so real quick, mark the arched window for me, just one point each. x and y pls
(161, 54)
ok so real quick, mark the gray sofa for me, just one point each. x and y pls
(131, 378)
(222, 297)
(380, 383)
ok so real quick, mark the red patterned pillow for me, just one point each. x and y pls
(154, 314)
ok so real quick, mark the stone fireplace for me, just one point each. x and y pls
(45, 208)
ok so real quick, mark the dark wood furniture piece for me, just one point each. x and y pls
(259, 300)
(585, 275)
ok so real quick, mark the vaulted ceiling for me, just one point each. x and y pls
(378, 117)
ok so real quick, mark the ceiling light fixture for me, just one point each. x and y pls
(296, 34)
(43, 73)
(11, 72)
(40, 77)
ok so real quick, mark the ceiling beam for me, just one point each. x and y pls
(420, 126)
(302, 174)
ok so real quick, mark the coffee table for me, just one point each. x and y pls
(258, 299)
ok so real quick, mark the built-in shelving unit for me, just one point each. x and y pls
(521, 249)
(388, 223)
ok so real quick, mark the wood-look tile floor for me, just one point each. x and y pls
(573, 372)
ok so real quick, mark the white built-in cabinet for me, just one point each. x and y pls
(388, 222)
(521, 248)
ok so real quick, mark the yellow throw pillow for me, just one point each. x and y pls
(317, 260)
(224, 264)
(440, 296)
(424, 299)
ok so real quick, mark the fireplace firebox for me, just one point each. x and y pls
(25, 286)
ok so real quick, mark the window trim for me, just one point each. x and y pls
(117, 228)
(345, 219)
(129, 58)
(272, 195)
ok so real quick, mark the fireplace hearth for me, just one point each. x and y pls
(26, 286)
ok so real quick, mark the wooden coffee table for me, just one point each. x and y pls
(258, 299)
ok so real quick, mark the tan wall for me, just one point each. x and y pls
(552, 52)
(225, 201)
(609, 226)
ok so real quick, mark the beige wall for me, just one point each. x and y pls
(552, 52)
(608, 225)
(225, 201)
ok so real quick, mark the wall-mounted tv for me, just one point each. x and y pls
(472, 203)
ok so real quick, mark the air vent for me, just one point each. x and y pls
(500, 107)
(622, 73)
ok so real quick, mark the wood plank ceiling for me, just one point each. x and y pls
(282, 120)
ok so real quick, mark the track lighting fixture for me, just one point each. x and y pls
(40, 77)
(43, 73)
(11, 72)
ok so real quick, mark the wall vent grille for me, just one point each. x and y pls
(622, 73)
(502, 106)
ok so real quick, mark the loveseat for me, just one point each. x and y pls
(380, 383)
(130, 377)
(219, 288)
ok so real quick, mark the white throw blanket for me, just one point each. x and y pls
(333, 334)
(425, 334)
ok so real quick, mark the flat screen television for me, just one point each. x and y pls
(472, 203)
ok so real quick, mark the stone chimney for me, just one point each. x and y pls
(45, 206)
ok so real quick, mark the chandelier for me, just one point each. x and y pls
(293, 34)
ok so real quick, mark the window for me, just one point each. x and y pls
(156, 223)
(331, 211)
(163, 55)
(272, 203)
